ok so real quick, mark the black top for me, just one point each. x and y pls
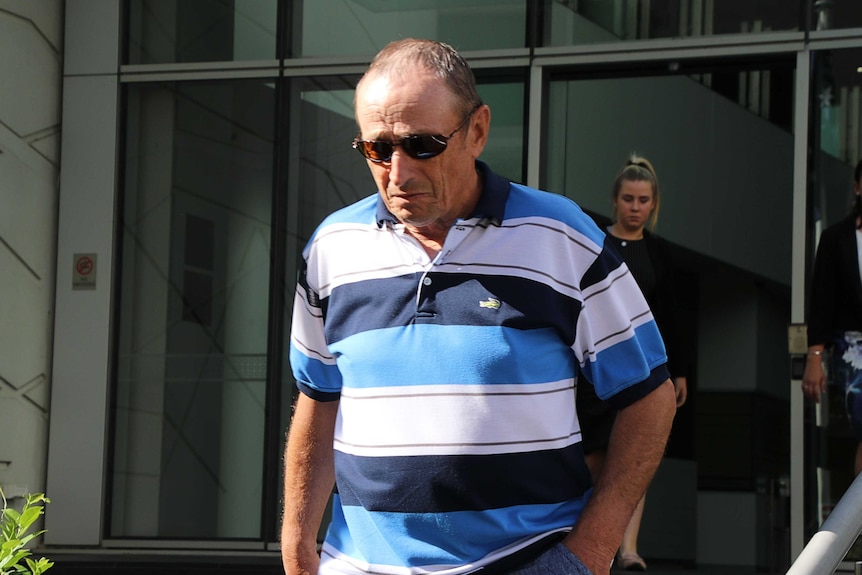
(637, 258)
(835, 300)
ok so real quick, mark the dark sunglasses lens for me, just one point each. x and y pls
(423, 147)
(375, 151)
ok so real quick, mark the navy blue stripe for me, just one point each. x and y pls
(447, 483)
(626, 397)
(450, 299)
(608, 261)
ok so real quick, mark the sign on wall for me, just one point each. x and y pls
(84, 272)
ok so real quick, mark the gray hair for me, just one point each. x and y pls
(402, 57)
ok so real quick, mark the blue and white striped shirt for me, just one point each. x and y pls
(457, 441)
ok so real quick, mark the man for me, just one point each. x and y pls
(436, 333)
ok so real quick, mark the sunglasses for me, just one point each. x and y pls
(422, 147)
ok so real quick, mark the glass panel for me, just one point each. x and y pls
(837, 134)
(569, 22)
(194, 273)
(715, 153)
(830, 14)
(362, 27)
(168, 31)
(504, 152)
(726, 181)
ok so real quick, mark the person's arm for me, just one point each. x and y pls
(636, 447)
(814, 378)
(680, 387)
(309, 477)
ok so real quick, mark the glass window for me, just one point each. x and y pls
(569, 22)
(363, 27)
(193, 293)
(829, 14)
(505, 95)
(837, 136)
(169, 31)
(712, 153)
(726, 181)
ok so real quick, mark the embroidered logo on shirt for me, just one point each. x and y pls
(490, 303)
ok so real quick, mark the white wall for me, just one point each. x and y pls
(31, 42)
(82, 327)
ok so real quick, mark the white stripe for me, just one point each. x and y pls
(456, 419)
(543, 250)
(623, 309)
(358, 257)
(306, 332)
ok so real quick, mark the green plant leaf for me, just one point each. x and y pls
(14, 536)
(28, 516)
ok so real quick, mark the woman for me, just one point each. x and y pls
(835, 315)
(635, 207)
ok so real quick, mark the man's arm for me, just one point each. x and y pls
(309, 476)
(636, 447)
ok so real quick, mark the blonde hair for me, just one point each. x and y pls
(638, 169)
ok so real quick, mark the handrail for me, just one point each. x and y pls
(830, 544)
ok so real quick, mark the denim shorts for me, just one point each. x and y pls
(557, 560)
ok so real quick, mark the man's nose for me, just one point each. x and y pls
(399, 166)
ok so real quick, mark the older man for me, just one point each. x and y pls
(437, 331)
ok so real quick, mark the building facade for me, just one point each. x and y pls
(162, 163)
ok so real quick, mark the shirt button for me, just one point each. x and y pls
(426, 281)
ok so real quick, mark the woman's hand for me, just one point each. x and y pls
(680, 388)
(814, 379)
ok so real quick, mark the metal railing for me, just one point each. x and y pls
(830, 544)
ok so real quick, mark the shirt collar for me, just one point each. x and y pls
(491, 204)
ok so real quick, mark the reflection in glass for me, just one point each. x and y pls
(837, 87)
(829, 14)
(504, 152)
(194, 273)
(722, 168)
(837, 137)
(569, 22)
(363, 27)
(168, 31)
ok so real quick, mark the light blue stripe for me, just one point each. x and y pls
(526, 202)
(416, 540)
(428, 354)
(628, 362)
(363, 211)
(314, 373)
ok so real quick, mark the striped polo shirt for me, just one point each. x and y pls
(456, 441)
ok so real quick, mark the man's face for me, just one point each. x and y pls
(429, 193)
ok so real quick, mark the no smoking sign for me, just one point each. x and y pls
(84, 272)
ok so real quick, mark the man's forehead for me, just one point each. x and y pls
(386, 101)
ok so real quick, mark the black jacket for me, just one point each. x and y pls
(835, 299)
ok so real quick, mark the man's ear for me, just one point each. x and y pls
(480, 125)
